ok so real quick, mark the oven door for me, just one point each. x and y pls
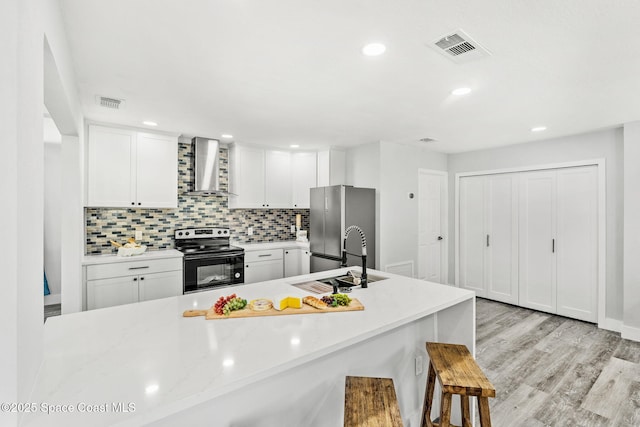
(207, 271)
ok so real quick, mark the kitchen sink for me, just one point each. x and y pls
(347, 280)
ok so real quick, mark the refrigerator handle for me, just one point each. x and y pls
(326, 203)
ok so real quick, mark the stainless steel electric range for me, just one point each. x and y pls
(209, 261)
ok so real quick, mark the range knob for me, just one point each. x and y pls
(219, 231)
(237, 275)
(180, 233)
(187, 233)
(226, 231)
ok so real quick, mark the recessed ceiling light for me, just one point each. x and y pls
(294, 146)
(461, 91)
(226, 136)
(374, 49)
(149, 123)
(538, 129)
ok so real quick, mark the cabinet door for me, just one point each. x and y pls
(263, 270)
(109, 292)
(577, 243)
(160, 285)
(156, 171)
(501, 265)
(537, 233)
(249, 178)
(303, 175)
(472, 234)
(277, 179)
(109, 168)
(296, 262)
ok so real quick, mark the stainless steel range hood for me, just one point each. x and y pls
(206, 167)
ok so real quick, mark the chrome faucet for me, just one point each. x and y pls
(363, 240)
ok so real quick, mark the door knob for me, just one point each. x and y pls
(439, 237)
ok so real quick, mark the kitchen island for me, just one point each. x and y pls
(145, 364)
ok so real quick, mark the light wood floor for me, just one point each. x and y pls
(553, 371)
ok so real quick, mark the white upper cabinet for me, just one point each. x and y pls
(303, 173)
(262, 178)
(126, 168)
(277, 179)
(157, 171)
(246, 177)
(331, 167)
(110, 165)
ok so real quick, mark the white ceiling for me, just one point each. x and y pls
(290, 71)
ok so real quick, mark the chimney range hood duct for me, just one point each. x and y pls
(206, 167)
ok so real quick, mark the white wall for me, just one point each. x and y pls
(21, 187)
(607, 144)
(392, 169)
(52, 219)
(398, 213)
(362, 164)
(631, 305)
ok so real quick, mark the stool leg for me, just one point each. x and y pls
(464, 409)
(428, 398)
(483, 408)
(445, 410)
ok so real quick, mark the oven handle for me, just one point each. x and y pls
(210, 256)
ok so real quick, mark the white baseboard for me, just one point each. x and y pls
(610, 324)
(52, 299)
(630, 333)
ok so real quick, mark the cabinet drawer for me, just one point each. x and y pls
(132, 268)
(265, 255)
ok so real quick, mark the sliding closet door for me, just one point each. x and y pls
(501, 265)
(577, 242)
(536, 239)
(472, 236)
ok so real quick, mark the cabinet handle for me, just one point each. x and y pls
(286, 252)
(487, 240)
(139, 203)
(142, 278)
(260, 256)
(133, 203)
(138, 268)
(553, 245)
(135, 279)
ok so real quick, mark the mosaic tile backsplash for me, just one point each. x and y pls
(158, 225)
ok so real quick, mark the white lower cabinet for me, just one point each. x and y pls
(531, 238)
(296, 262)
(126, 282)
(159, 285)
(260, 266)
(103, 293)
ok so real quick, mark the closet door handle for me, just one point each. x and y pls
(553, 245)
(487, 240)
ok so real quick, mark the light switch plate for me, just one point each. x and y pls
(250, 231)
(138, 236)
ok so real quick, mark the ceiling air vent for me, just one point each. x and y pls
(427, 140)
(113, 103)
(459, 47)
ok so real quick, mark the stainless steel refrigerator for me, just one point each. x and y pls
(333, 209)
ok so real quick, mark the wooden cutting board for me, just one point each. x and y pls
(246, 312)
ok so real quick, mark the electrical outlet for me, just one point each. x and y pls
(293, 228)
(138, 236)
(418, 365)
(250, 231)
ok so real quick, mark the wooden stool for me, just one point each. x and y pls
(457, 373)
(371, 402)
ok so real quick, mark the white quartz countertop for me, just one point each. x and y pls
(288, 244)
(111, 258)
(149, 355)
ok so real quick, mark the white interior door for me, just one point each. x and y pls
(536, 239)
(577, 242)
(501, 267)
(432, 247)
(472, 234)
